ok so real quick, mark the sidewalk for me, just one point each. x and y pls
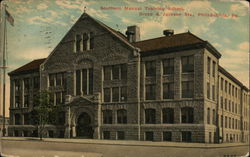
(129, 143)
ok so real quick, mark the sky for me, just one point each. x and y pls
(40, 25)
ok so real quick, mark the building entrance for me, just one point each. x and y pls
(84, 128)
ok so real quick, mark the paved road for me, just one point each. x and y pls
(34, 148)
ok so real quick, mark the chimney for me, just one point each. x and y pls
(133, 33)
(168, 32)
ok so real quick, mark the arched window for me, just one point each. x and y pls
(187, 115)
(107, 116)
(168, 115)
(150, 116)
(122, 116)
(17, 119)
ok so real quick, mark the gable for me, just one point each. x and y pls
(104, 37)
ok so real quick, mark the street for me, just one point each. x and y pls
(98, 148)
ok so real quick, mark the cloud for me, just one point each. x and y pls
(33, 53)
(42, 6)
(244, 46)
(240, 9)
(237, 63)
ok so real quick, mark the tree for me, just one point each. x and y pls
(44, 112)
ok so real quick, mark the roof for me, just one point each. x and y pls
(174, 43)
(226, 73)
(32, 66)
(167, 41)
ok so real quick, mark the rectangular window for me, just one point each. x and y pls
(150, 68)
(214, 117)
(17, 101)
(51, 80)
(91, 81)
(187, 89)
(17, 86)
(229, 123)
(123, 94)
(78, 82)
(85, 41)
(225, 103)
(115, 72)
(26, 101)
(150, 92)
(225, 121)
(229, 88)
(115, 94)
(120, 135)
(221, 102)
(221, 83)
(84, 81)
(232, 90)
(225, 86)
(149, 136)
(186, 136)
(167, 136)
(106, 94)
(107, 117)
(208, 90)
(221, 121)
(78, 42)
(106, 135)
(187, 64)
(229, 105)
(91, 40)
(123, 71)
(168, 90)
(36, 82)
(107, 72)
(213, 92)
(208, 116)
(168, 66)
(208, 64)
(214, 65)
(26, 84)
(58, 98)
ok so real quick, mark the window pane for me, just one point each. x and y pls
(107, 73)
(106, 94)
(150, 116)
(91, 84)
(123, 94)
(150, 92)
(124, 71)
(84, 82)
(115, 72)
(91, 40)
(168, 115)
(167, 136)
(150, 68)
(78, 42)
(168, 66)
(115, 94)
(78, 82)
(168, 90)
